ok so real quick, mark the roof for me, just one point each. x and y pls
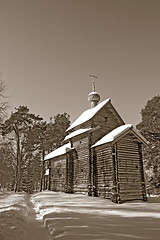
(88, 114)
(117, 132)
(59, 151)
(76, 133)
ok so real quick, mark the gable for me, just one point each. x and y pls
(100, 111)
(118, 133)
(107, 119)
(88, 114)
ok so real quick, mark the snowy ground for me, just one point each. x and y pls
(18, 219)
(78, 217)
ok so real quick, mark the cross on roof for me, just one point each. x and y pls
(93, 81)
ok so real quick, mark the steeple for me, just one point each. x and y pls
(93, 97)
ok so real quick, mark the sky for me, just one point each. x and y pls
(49, 48)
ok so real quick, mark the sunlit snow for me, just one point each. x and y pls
(76, 133)
(59, 151)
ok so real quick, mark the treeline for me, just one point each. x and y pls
(25, 139)
(150, 129)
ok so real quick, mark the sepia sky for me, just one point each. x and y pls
(48, 49)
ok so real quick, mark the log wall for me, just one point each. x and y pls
(103, 171)
(69, 187)
(58, 174)
(81, 165)
(129, 169)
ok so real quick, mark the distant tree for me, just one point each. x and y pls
(17, 127)
(3, 103)
(7, 166)
(55, 132)
(62, 122)
(150, 129)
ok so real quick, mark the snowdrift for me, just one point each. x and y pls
(75, 216)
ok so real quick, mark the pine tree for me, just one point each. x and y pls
(17, 127)
(34, 149)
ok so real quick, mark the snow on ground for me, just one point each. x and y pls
(53, 215)
(18, 219)
(80, 217)
(13, 216)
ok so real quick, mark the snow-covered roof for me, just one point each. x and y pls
(59, 151)
(114, 134)
(76, 133)
(88, 114)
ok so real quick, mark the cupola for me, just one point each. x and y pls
(94, 96)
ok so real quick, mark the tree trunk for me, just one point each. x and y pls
(42, 171)
(18, 167)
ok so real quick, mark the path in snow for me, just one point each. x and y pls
(18, 219)
(13, 216)
(35, 228)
